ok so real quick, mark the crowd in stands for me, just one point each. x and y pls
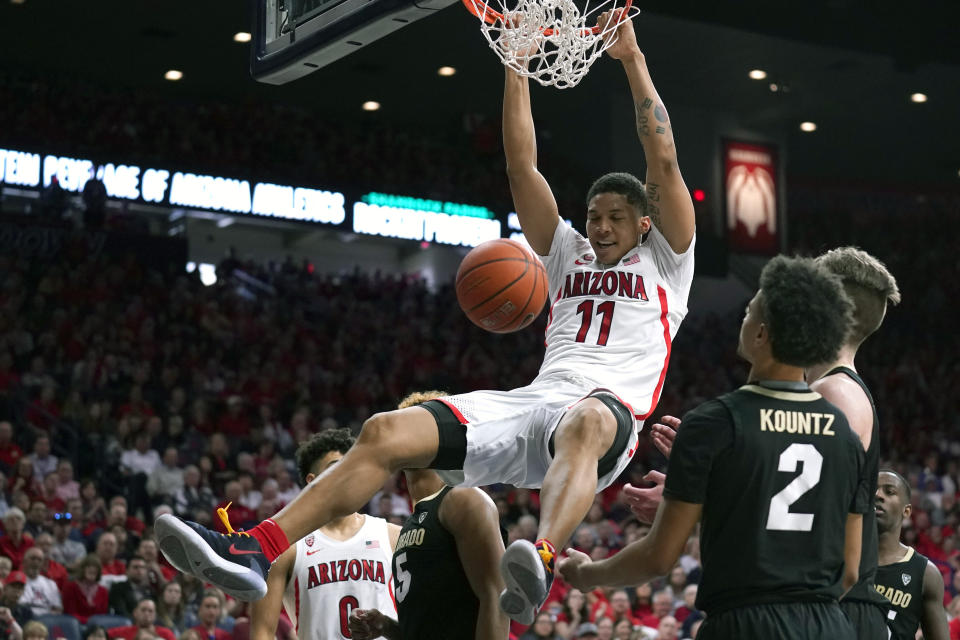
(459, 160)
(128, 390)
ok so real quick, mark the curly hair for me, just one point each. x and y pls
(806, 311)
(320, 444)
(626, 184)
(869, 285)
(419, 397)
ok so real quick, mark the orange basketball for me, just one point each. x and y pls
(501, 285)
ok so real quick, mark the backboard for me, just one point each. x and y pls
(292, 38)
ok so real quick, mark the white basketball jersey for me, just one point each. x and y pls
(613, 325)
(331, 578)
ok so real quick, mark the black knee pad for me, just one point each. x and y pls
(624, 418)
(452, 436)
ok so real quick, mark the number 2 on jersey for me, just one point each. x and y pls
(586, 309)
(779, 518)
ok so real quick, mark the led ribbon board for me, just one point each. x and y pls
(213, 193)
(411, 218)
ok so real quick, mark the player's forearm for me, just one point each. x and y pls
(652, 120)
(636, 564)
(519, 137)
(492, 624)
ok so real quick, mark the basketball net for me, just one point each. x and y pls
(548, 40)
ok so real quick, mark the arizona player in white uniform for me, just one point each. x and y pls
(342, 566)
(617, 299)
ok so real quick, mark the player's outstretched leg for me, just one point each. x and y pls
(585, 433)
(238, 562)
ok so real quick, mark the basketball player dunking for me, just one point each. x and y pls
(912, 584)
(342, 566)
(617, 299)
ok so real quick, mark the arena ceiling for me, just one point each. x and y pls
(849, 68)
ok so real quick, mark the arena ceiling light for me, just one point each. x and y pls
(242, 36)
(757, 74)
(808, 126)
(371, 105)
(918, 97)
(173, 75)
(446, 71)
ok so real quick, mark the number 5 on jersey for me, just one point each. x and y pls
(403, 578)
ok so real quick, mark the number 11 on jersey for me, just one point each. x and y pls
(604, 309)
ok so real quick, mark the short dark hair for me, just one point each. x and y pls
(903, 482)
(319, 445)
(868, 283)
(805, 309)
(626, 184)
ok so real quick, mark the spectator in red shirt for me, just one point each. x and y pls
(23, 479)
(135, 406)
(50, 498)
(112, 568)
(689, 603)
(43, 411)
(643, 604)
(234, 422)
(85, 596)
(209, 617)
(620, 606)
(117, 517)
(120, 516)
(575, 612)
(662, 606)
(10, 453)
(144, 619)
(15, 542)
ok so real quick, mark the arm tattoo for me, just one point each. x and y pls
(646, 103)
(643, 128)
(661, 115)
(653, 199)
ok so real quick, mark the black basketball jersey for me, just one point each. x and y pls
(902, 584)
(864, 590)
(434, 597)
(777, 470)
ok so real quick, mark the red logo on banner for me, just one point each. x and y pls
(750, 185)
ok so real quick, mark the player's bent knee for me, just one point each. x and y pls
(396, 439)
(588, 424)
(381, 430)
